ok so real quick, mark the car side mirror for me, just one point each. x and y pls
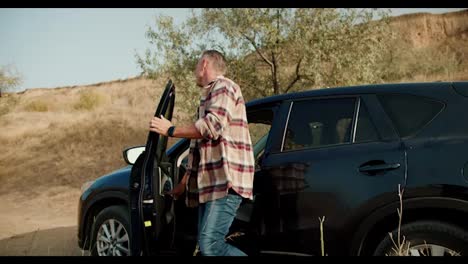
(131, 154)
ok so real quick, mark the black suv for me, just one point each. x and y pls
(330, 164)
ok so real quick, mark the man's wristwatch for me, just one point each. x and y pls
(170, 131)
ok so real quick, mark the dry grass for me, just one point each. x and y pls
(37, 106)
(7, 103)
(444, 77)
(65, 146)
(322, 241)
(400, 247)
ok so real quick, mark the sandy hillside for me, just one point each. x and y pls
(425, 29)
(54, 140)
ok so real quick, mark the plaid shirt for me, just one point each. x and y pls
(225, 154)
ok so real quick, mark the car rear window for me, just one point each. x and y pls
(409, 113)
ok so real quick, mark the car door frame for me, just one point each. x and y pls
(144, 184)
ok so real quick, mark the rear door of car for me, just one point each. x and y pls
(335, 156)
(146, 198)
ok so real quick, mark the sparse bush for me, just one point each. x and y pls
(89, 100)
(8, 79)
(37, 106)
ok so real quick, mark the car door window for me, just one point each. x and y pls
(319, 123)
(365, 130)
(260, 121)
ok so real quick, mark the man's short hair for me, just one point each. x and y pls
(219, 62)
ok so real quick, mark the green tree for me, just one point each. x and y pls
(8, 79)
(271, 51)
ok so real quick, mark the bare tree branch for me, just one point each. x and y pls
(258, 50)
(298, 76)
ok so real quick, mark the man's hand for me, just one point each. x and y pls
(177, 191)
(160, 125)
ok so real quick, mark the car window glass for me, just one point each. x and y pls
(319, 123)
(258, 131)
(260, 121)
(409, 113)
(365, 130)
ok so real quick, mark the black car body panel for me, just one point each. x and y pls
(108, 189)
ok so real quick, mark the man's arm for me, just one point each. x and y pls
(218, 110)
(190, 132)
(179, 189)
(161, 125)
(218, 114)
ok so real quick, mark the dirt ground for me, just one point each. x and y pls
(44, 225)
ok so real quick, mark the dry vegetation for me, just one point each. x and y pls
(62, 137)
(54, 140)
(66, 136)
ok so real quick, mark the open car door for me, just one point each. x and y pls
(146, 194)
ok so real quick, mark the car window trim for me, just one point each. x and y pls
(355, 120)
(286, 126)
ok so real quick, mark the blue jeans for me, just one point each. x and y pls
(214, 220)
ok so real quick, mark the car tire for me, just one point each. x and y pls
(426, 238)
(111, 232)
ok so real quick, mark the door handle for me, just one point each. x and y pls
(379, 167)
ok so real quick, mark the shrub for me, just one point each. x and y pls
(37, 106)
(89, 100)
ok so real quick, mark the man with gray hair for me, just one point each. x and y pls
(220, 165)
